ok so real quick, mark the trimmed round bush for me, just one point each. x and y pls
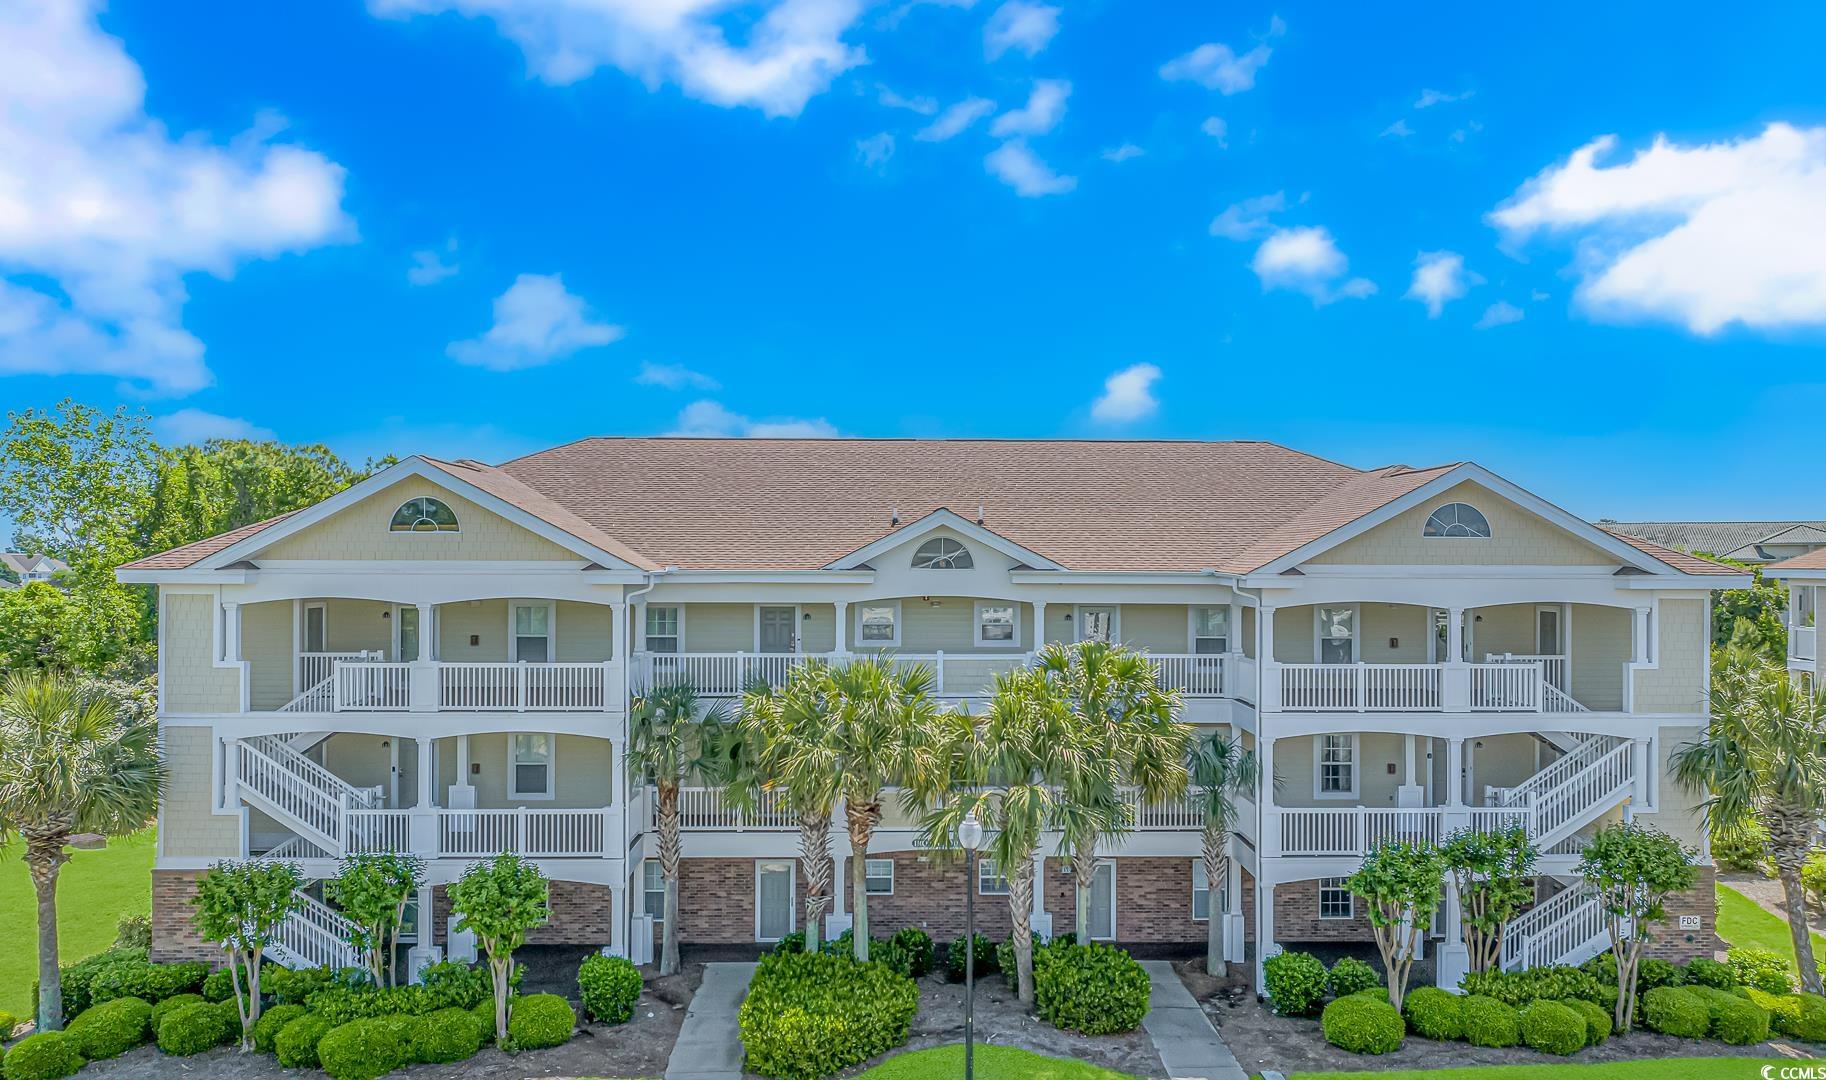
(362, 1049)
(1095, 989)
(7, 1023)
(1489, 1022)
(271, 1022)
(1552, 1028)
(1735, 1020)
(1295, 982)
(1802, 1016)
(1362, 1025)
(1433, 1013)
(296, 1046)
(808, 1016)
(609, 985)
(193, 1029)
(484, 1014)
(1703, 971)
(1672, 1011)
(1763, 969)
(917, 944)
(219, 986)
(1348, 975)
(1597, 1019)
(172, 1004)
(47, 1055)
(111, 1028)
(446, 1036)
(540, 1020)
(986, 962)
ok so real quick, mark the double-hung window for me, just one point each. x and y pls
(1210, 630)
(879, 877)
(1201, 893)
(996, 625)
(663, 629)
(989, 880)
(1335, 899)
(529, 772)
(878, 624)
(1335, 766)
(653, 884)
(1337, 633)
(532, 633)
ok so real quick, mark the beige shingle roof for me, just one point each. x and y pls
(190, 554)
(1813, 560)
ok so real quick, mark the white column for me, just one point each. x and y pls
(837, 919)
(1455, 635)
(843, 626)
(1235, 939)
(231, 630)
(1040, 919)
(640, 626)
(618, 898)
(1455, 773)
(1639, 765)
(1270, 839)
(426, 616)
(1264, 930)
(1454, 957)
(1039, 624)
(1264, 633)
(1642, 649)
(1266, 673)
(618, 645)
(427, 776)
(424, 953)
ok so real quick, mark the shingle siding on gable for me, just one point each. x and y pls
(266, 643)
(192, 681)
(360, 532)
(1678, 683)
(188, 825)
(1601, 643)
(1518, 538)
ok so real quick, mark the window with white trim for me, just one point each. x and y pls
(878, 624)
(529, 770)
(653, 885)
(1336, 628)
(1097, 624)
(997, 625)
(1335, 899)
(423, 515)
(878, 877)
(942, 553)
(1457, 520)
(1201, 893)
(532, 633)
(1210, 630)
(663, 629)
(989, 881)
(1335, 766)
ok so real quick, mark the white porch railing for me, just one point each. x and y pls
(963, 674)
(541, 833)
(1354, 830)
(1553, 665)
(315, 670)
(1569, 927)
(1361, 687)
(302, 794)
(520, 687)
(1803, 642)
(1506, 687)
(717, 674)
(702, 808)
(373, 831)
(1152, 817)
(315, 936)
(370, 687)
(1193, 675)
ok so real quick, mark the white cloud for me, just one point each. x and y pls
(922, 105)
(1017, 166)
(1430, 98)
(187, 427)
(1215, 127)
(1306, 260)
(709, 419)
(1127, 395)
(1044, 109)
(1122, 153)
(875, 150)
(429, 266)
(103, 212)
(1399, 130)
(536, 322)
(1703, 235)
(1500, 313)
(789, 51)
(674, 377)
(953, 121)
(1217, 67)
(1020, 25)
(1248, 219)
(1439, 278)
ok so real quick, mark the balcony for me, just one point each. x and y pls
(361, 685)
(477, 834)
(1354, 830)
(1514, 684)
(705, 809)
(955, 675)
(1803, 642)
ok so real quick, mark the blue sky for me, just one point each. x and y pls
(480, 227)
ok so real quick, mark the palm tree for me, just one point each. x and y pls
(1127, 735)
(69, 764)
(1763, 758)
(668, 748)
(1220, 770)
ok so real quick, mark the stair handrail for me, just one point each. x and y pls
(319, 935)
(1623, 751)
(1556, 773)
(270, 777)
(319, 777)
(1528, 928)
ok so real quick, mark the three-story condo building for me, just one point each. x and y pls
(440, 660)
(1805, 576)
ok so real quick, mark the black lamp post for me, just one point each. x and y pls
(970, 836)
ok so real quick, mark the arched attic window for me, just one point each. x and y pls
(942, 553)
(423, 515)
(1457, 520)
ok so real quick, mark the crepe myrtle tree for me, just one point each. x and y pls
(240, 906)
(1632, 869)
(1402, 883)
(1491, 871)
(373, 890)
(499, 900)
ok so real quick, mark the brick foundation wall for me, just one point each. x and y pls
(1670, 942)
(582, 914)
(1296, 917)
(929, 894)
(174, 938)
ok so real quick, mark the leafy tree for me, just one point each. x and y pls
(88, 630)
(1491, 871)
(1762, 758)
(1632, 869)
(1402, 883)
(1219, 770)
(499, 900)
(76, 481)
(1751, 619)
(240, 906)
(223, 484)
(668, 748)
(70, 763)
(373, 890)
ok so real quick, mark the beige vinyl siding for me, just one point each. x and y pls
(1160, 628)
(1293, 629)
(360, 532)
(358, 625)
(1678, 683)
(1293, 766)
(1505, 628)
(483, 620)
(188, 827)
(1680, 814)
(1501, 761)
(266, 644)
(716, 628)
(1600, 647)
(362, 760)
(1061, 624)
(193, 682)
(946, 624)
(583, 771)
(818, 633)
(1249, 632)
(1517, 538)
(1391, 633)
(585, 632)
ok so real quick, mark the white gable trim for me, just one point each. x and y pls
(381, 481)
(1626, 554)
(943, 519)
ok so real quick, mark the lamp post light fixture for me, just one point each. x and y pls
(970, 837)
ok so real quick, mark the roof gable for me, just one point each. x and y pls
(937, 520)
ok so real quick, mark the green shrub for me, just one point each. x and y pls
(7, 1023)
(1095, 989)
(1673, 1011)
(1489, 1022)
(362, 1049)
(1744, 849)
(1802, 1016)
(296, 1046)
(192, 1029)
(1295, 982)
(76, 978)
(791, 943)
(1433, 1013)
(1519, 988)
(1597, 1018)
(170, 1005)
(1349, 975)
(1552, 1028)
(808, 1016)
(455, 985)
(149, 982)
(484, 1014)
(881, 951)
(47, 1055)
(111, 1028)
(272, 1021)
(609, 985)
(446, 1036)
(540, 1020)
(917, 944)
(1734, 1019)
(1702, 971)
(1653, 973)
(1764, 969)
(985, 964)
(1362, 1024)
(1602, 967)
(294, 987)
(133, 932)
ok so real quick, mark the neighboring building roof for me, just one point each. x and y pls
(22, 563)
(1813, 560)
(1728, 539)
(1679, 560)
(792, 504)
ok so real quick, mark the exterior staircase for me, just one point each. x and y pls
(1567, 928)
(318, 677)
(1595, 777)
(299, 793)
(314, 936)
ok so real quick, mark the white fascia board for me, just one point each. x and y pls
(183, 577)
(1691, 583)
(1454, 570)
(1799, 573)
(380, 481)
(942, 518)
(748, 577)
(1118, 577)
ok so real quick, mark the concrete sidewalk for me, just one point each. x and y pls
(1188, 1045)
(709, 1046)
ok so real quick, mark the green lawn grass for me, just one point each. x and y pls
(1742, 922)
(1655, 1069)
(94, 890)
(992, 1063)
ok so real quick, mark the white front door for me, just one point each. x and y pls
(1103, 902)
(773, 893)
